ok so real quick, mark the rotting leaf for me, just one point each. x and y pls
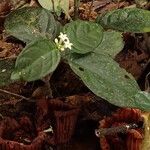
(127, 20)
(29, 24)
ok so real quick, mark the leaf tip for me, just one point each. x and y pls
(15, 75)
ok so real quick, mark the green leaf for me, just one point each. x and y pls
(142, 100)
(112, 43)
(28, 24)
(103, 76)
(38, 59)
(6, 68)
(48, 4)
(85, 36)
(127, 20)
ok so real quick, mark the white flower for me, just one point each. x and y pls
(63, 42)
(68, 44)
(62, 48)
(56, 40)
(63, 37)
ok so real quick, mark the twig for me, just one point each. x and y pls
(76, 7)
(14, 94)
(90, 9)
(111, 131)
(11, 57)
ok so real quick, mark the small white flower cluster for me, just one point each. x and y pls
(63, 42)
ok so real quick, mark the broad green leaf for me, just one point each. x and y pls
(103, 76)
(38, 59)
(6, 68)
(112, 43)
(28, 24)
(85, 36)
(142, 100)
(127, 20)
(57, 5)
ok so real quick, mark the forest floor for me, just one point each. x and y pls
(20, 99)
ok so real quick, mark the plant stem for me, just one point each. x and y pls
(76, 6)
(54, 11)
(53, 5)
(48, 92)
